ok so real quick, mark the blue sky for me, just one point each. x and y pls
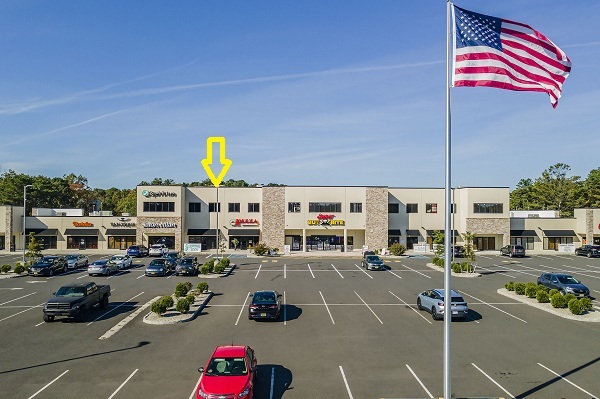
(305, 93)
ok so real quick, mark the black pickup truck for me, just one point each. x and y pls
(75, 299)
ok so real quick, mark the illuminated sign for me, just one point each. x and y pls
(165, 225)
(242, 222)
(325, 220)
(156, 194)
(83, 224)
(122, 224)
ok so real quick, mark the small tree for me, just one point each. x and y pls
(468, 238)
(261, 249)
(6, 268)
(182, 305)
(397, 249)
(181, 289)
(34, 249)
(202, 287)
(235, 243)
(159, 307)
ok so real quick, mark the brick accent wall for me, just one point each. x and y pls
(589, 226)
(490, 226)
(273, 218)
(376, 226)
(8, 228)
(177, 231)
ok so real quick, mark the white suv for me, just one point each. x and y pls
(158, 249)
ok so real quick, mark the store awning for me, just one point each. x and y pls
(559, 233)
(34, 231)
(243, 232)
(120, 232)
(202, 232)
(48, 233)
(523, 233)
(454, 232)
(82, 232)
(412, 233)
(394, 233)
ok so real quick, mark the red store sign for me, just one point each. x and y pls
(243, 222)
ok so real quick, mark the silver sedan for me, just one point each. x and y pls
(433, 302)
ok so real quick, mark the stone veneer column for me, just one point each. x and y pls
(490, 226)
(177, 231)
(376, 226)
(589, 226)
(8, 228)
(273, 217)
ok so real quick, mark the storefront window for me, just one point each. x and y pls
(120, 242)
(82, 242)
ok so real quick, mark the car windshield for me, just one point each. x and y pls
(71, 291)
(227, 366)
(156, 247)
(170, 256)
(264, 297)
(133, 248)
(187, 262)
(71, 257)
(117, 257)
(100, 262)
(372, 258)
(456, 299)
(156, 262)
(567, 280)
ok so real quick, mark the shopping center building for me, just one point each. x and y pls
(304, 218)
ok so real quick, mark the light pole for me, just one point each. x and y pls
(218, 209)
(25, 216)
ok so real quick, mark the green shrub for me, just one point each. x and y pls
(397, 249)
(456, 268)
(510, 286)
(167, 300)
(188, 285)
(552, 292)
(558, 301)
(261, 249)
(586, 303)
(531, 285)
(158, 307)
(438, 261)
(181, 289)
(575, 306)
(202, 286)
(542, 297)
(207, 267)
(568, 297)
(191, 298)
(5, 268)
(225, 262)
(19, 269)
(541, 287)
(219, 268)
(182, 305)
(520, 288)
(531, 291)
(466, 267)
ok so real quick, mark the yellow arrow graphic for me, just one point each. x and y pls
(206, 162)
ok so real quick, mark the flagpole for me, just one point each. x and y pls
(447, 229)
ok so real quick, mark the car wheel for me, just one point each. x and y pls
(434, 314)
(589, 254)
(104, 302)
(64, 269)
(249, 317)
(419, 304)
(48, 318)
(51, 272)
(81, 314)
(510, 255)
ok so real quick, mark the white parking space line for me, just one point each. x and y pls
(564, 379)
(416, 271)
(284, 270)
(311, 272)
(326, 307)
(193, 395)
(127, 319)
(85, 275)
(485, 257)
(243, 307)
(491, 379)
(564, 257)
(272, 382)
(39, 324)
(544, 257)
(16, 299)
(374, 314)
(23, 311)
(123, 384)
(360, 268)
(492, 306)
(115, 308)
(394, 274)
(346, 383)
(413, 309)
(284, 311)
(517, 271)
(48, 384)
(562, 270)
(258, 271)
(337, 271)
(419, 381)
(499, 272)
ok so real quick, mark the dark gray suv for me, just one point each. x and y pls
(564, 283)
(513, 250)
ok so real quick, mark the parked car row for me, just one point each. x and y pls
(106, 267)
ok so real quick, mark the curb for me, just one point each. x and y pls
(463, 275)
(225, 273)
(11, 275)
(195, 314)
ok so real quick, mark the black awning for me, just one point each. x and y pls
(120, 232)
(394, 233)
(34, 231)
(202, 232)
(243, 232)
(82, 232)
(48, 233)
(523, 233)
(412, 233)
(559, 233)
(454, 232)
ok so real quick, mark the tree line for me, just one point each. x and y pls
(73, 191)
(555, 190)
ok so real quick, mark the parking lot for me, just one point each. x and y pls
(345, 333)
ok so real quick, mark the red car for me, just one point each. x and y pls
(230, 373)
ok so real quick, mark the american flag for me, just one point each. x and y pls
(496, 52)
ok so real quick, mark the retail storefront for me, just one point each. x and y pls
(206, 237)
(48, 238)
(82, 238)
(120, 238)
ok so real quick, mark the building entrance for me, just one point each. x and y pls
(326, 242)
(484, 243)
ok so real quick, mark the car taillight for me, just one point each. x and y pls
(273, 307)
(253, 306)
